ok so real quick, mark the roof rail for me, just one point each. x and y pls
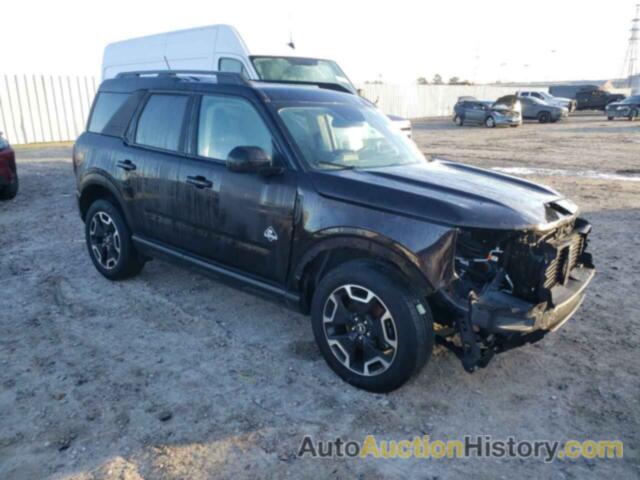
(221, 77)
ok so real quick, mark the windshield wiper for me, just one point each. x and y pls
(337, 165)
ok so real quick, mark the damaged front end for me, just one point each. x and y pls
(514, 287)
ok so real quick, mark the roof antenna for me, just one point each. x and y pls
(291, 45)
(167, 62)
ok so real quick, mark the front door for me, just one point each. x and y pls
(240, 220)
(529, 109)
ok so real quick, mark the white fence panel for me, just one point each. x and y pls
(415, 101)
(44, 108)
(47, 108)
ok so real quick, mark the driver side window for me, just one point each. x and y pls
(229, 122)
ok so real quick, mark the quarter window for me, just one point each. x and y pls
(226, 123)
(160, 124)
(106, 106)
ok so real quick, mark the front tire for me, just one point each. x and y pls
(10, 191)
(633, 115)
(458, 121)
(109, 242)
(544, 117)
(489, 122)
(372, 329)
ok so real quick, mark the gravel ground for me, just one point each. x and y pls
(173, 375)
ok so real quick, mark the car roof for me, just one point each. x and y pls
(222, 82)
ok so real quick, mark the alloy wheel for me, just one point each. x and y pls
(360, 330)
(105, 240)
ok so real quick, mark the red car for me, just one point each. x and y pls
(8, 172)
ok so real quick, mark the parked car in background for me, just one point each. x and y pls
(628, 108)
(8, 171)
(596, 99)
(536, 109)
(222, 48)
(569, 103)
(469, 110)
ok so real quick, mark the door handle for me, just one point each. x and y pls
(199, 182)
(127, 165)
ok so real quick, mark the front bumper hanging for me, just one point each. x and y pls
(497, 321)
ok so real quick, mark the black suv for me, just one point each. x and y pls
(596, 99)
(312, 196)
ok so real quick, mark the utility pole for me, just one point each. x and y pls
(631, 68)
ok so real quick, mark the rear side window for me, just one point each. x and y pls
(160, 124)
(226, 123)
(105, 107)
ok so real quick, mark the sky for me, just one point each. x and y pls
(396, 41)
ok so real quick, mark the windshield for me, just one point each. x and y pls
(293, 69)
(634, 99)
(340, 136)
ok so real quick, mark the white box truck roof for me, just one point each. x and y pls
(221, 48)
(215, 47)
(191, 49)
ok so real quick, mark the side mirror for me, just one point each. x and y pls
(248, 160)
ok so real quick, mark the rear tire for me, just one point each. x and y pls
(544, 117)
(10, 191)
(633, 115)
(109, 242)
(371, 327)
(609, 118)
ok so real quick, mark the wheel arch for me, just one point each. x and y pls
(329, 253)
(95, 187)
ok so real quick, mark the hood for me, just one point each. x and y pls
(616, 104)
(509, 101)
(449, 193)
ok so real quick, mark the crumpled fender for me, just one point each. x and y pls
(428, 247)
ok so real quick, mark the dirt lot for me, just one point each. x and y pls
(173, 375)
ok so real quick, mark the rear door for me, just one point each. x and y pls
(475, 113)
(241, 220)
(157, 142)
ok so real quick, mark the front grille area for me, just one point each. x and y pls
(536, 268)
(565, 260)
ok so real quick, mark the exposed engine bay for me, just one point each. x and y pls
(513, 287)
